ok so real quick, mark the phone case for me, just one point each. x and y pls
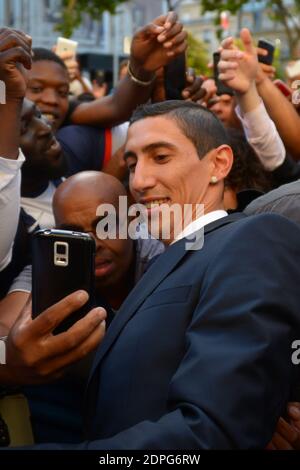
(66, 45)
(266, 59)
(175, 78)
(221, 88)
(62, 262)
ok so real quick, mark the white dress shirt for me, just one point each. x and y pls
(199, 223)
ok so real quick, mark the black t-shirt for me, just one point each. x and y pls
(86, 148)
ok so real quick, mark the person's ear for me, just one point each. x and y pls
(222, 161)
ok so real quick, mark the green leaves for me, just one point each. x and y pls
(197, 55)
(73, 11)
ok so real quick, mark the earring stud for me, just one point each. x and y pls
(214, 180)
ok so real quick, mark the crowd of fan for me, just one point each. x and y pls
(62, 145)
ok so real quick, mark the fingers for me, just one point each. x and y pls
(280, 443)
(286, 437)
(15, 46)
(226, 77)
(261, 51)
(232, 54)
(170, 20)
(179, 38)
(178, 50)
(67, 56)
(80, 351)
(247, 41)
(167, 35)
(17, 54)
(166, 21)
(294, 413)
(195, 92)
(288, 432)
(268, 70)
(224, 66)
(78, 333)
(227, 43)
(10, 39)
(47, 321)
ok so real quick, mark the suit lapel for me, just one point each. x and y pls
(151, 279)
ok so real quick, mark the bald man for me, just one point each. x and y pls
(119, 264)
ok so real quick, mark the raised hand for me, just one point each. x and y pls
(238, 69)
(194, 90)
(156, 44)
(15, 57)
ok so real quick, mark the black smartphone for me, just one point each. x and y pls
(221, 88)
(268, 46)
(175, 78)
(62, 262)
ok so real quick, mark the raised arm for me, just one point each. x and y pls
(15, 54)
(238, 70)
(282, 112)
(152, 47)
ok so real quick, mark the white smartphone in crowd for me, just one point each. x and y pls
(66, 46)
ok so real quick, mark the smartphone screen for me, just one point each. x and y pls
(175, 78)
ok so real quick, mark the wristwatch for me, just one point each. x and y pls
(3, 350)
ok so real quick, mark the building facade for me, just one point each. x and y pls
(38, 18)
(253, 15)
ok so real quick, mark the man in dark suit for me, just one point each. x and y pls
(199, 355)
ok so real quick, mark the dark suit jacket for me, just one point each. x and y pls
(199, 355)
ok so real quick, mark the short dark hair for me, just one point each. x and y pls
(197, 123)
(41, 53)
(247, 171)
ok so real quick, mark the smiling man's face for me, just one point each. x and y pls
(44, 156)
(165, 167)
(48, 88)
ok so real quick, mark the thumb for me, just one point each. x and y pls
(247, 41)
(152, 29)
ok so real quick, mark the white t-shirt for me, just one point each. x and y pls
(10, 181)
(40, 207)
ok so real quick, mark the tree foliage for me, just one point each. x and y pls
(74, 10)
(197, 55)
(287, 16)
